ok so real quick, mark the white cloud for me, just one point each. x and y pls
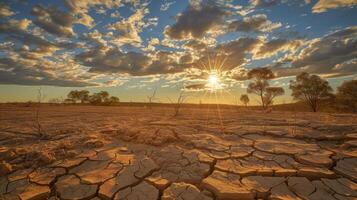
(324, 5)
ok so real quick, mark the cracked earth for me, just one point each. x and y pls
(140, 153)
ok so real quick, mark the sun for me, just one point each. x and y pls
(213, 81)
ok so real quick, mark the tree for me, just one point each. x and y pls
(103, 95)
(180, 100)
(260, 85)
(73, 95)
(78, 95)
(96, 98)
(56, 100)
(271, 93)
(113, 100)
(244, 99)
(83, 95)
(38, 126)
(347, 95)
(152, 97)
(311, 89)
(100, 97)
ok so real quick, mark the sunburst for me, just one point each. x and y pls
(214, 81)
(215, 84)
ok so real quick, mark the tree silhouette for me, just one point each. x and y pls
(78, 95)
(260, 85)
(347, 95)
(271, 93)
(83, 95)
(114, 99)
(244, 99)
(311, 89)
(104, 95)
(96, 98)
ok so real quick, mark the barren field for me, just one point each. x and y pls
(87, 152)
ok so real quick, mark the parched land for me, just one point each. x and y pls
(87, 152)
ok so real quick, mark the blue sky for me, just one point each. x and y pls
(131, 47)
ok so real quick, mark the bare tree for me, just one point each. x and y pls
(178, 103)
(310, 88)
(152, 97)
(37, 123)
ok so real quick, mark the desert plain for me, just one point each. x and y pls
(136, 152)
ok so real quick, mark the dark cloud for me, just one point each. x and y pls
(196, 21)
(17, 31)
(277, 45)
(230, 55)
(103, 60)
(7, 77)
(238, 74)
(332, 55)
(196, 45)
(185, 59)
(54, 20)
(196, 87)
(234, 53)
(256, 23)
(29, 72)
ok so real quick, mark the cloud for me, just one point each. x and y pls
(31, 59)
(25, 78)
(233, 54)
(80, 9)
(95, 37)
(53, 20)
(30, 44)
(166, 5)
(15, 25)
(331, 55)
(76, 5)
(196, 87)
(263, 3)
(196, 21)
(127, 31)
(112, 60)
(256, 23)
(195, 45)
(186, 59)
(152, 43)
(17, 31)
(21, 71)
(324, 5)
(277, 45)
(85, 19)
(5, 10)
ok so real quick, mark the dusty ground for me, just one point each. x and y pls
(139, 153)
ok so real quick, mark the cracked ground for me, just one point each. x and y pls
(86, 152)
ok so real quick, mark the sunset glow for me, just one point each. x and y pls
(213, 81)
(129, 48)
(178, 99)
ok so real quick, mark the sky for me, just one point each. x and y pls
(203, 49)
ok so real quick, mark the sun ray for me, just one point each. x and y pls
(209, 61)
